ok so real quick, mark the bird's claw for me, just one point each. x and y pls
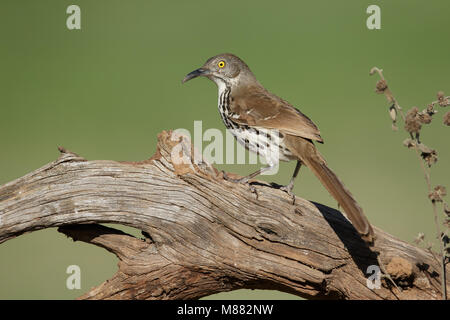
(288, 189)
(244, 180)
(253, 190)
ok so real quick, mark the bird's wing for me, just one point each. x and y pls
(262, 109)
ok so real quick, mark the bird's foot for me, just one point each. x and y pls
(243, 180)
(288, 189)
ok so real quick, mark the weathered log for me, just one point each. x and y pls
(205, 235)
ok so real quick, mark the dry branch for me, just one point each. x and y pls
(206, 235)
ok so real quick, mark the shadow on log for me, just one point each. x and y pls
(206, 235)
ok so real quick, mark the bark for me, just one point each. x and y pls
(205, 235)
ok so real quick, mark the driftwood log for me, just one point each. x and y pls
(205, 235)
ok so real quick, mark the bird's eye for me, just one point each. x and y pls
(221, 64)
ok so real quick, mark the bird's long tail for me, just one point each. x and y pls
(310, 156)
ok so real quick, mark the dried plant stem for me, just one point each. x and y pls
(437, 101)
(443, 262)
(436, 222)
(388, 93)
(390, 97)
(439, 233)
(424, 169)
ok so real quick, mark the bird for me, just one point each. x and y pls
(270, 126)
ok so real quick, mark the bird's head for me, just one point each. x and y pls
(224, 68)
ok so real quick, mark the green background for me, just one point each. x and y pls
(107, 90)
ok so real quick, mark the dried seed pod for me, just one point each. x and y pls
(446, 209)
(424, 118)
(409, 143)
(438, 193)
(393, 113)
(381, 86)
(429, 156)
(447, 118)
(430, 109)
(424, 149)
(412, 121)
(447, 222)
(442, 100)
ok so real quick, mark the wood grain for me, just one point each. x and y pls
(206, 235)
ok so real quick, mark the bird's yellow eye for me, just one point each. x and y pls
(221, 64)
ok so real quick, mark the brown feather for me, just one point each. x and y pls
(310, 156)
(257, 107)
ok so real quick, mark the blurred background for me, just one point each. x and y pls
(107, 90)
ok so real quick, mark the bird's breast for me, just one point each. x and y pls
(267, 143)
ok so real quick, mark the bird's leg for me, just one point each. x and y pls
(250, 176)
(247, 178)
(288, 188)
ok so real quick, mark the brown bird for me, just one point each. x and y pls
(270, 126)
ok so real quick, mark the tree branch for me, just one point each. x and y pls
(204, 234)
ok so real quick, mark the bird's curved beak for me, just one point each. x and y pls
(196, 73)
